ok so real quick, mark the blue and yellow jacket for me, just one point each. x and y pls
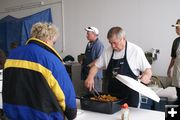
(36, 85)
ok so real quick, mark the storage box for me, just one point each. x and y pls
(100, 106)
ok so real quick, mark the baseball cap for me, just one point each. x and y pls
(177, 23)
(92, 29)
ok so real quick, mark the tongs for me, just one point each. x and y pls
(95, 93)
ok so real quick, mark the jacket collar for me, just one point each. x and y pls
(45, 46)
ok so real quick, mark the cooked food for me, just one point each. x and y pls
(105, 98)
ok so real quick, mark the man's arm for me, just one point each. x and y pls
(92, 63)
(89, 82)
(146, 76)
(170, 66)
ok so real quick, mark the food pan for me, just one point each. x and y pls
(108, 107)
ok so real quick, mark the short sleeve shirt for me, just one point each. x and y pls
(97, 49)
(135, 57)
(175, 47)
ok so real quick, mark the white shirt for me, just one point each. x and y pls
(135, 57)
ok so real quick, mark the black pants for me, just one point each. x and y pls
(178, 95)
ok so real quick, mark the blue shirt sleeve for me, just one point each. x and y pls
(97, 50)
(175, 47)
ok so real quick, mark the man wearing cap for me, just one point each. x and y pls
(125, 58)
(93, 50)
(175, 62)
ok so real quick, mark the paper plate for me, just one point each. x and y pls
(139, 87)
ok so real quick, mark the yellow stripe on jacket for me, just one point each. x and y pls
(53, 83)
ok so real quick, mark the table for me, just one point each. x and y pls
(135, 114)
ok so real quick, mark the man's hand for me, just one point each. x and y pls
(145, 79)
(89, 83)
(146, 76)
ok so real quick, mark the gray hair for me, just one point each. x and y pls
(118, 31)
(44, 31)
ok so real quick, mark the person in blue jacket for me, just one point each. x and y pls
(36, 85)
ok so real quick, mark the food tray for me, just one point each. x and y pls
(108, 107)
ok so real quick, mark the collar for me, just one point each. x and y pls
(45, 46)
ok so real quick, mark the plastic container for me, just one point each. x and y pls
(125, 112)
(109, 107)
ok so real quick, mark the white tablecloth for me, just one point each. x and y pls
(169, 92)
(135, 114)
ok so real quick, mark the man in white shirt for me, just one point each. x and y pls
(123, 58)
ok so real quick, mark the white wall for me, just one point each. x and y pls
(147, 23)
